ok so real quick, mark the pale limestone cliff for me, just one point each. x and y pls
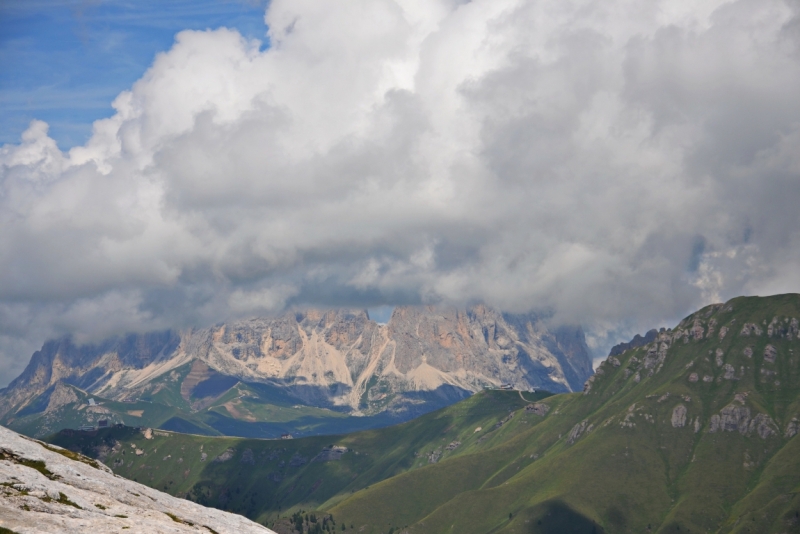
(43, 490)
(326, 358)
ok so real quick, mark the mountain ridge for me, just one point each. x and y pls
(340, 360)
(694, 431)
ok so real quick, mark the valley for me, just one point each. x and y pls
(691, 432)
(268, 479)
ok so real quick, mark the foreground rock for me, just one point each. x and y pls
(42, 489)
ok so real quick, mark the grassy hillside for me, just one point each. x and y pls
(641, 451)
(693, 432)
(266, 479)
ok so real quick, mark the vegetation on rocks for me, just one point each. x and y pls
(693, 431)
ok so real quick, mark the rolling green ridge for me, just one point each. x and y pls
(265, 479)
(693, 432)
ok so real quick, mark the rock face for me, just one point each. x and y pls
(537, 408)
(578, 430)
(679, 416)
(751, 329)
(722, 332)
(42, 489)
(734, 418)
(637, 341)
(791, 429)
(61, 396)
(336, 358)
(730, 372)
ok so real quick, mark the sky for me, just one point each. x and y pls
(65, 61)
(612, 163)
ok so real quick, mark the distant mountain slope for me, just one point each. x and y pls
(340, 360)
(694, 431)
(47, 489)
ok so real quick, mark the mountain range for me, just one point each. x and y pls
(303, 372)
(694, 430)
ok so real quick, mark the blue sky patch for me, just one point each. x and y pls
(64, 62)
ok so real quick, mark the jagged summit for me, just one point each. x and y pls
(424, 358)
(637, 341)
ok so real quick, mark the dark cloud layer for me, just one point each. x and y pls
(617, 163)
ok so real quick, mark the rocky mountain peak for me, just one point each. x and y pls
(424, 358)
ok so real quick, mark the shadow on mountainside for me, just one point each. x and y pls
(557, 517)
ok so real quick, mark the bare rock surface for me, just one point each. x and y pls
(733, 418)
(679, 416)
(730, 372)
(537, 408)
(763, 425)
(697, 329)
(751, 329)
(334, 358)
(722, 332)
(637, 341)
(331, 453)
(718, 357)
(43, 490)
(578, 430)
(791, 429)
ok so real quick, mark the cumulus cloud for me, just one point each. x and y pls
(617, 163)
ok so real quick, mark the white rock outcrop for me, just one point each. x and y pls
(578, 430)
(42, 490)
(679, 416)
(730, 372)
(734, 418)
(791, 429)
(770, 353)
(751, 329)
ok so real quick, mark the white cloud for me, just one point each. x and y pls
(619, 163)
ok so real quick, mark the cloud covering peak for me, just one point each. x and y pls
(614, 162)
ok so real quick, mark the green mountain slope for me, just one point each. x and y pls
(692, 432)
(264, 479)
